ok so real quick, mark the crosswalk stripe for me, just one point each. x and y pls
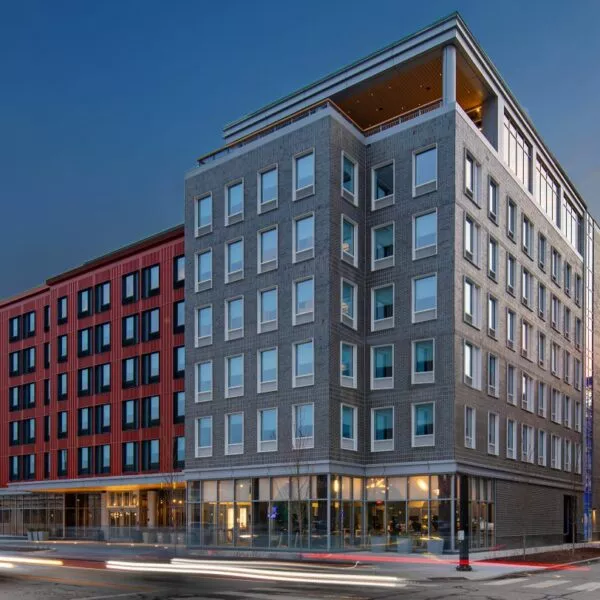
(547, 584)
(505, 581)
(592, 586)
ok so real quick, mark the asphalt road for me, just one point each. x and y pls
(65, 583)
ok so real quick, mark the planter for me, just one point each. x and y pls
(160, 537)
(30, 536)
(435, 546)
(43, 536)
(378, 543)
(181, 539)
(36, 536)
(146, 537)
(404, 545)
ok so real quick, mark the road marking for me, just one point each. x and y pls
(251, 595)
(586, 587)
(111, 596)
(547, 584)
(505, 581)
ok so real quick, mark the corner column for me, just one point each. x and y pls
(449, 75)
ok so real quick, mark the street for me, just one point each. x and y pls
(60, 582)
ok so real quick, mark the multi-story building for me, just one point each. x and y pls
(388, 310)
(92, 389)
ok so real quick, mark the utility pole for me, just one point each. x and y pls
(463, 534)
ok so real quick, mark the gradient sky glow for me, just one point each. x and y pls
(104, 106)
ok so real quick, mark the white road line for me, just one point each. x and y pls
(547, 584)
(505, 581)
(592, 586)
(111, 596)
(253, 596)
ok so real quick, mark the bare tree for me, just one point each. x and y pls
(300, 491)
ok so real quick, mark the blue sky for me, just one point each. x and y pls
(104, 106)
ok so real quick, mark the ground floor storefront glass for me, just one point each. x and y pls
(22, 513)
(403, 514)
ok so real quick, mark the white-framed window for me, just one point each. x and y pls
(234, 318)
(511, 219)
(303, 426)
(568, 455)
(382, 307)
(424, 293)
(555, 452)
(493, 200)
(578, 289)
(493, 372)
(527, 390)
(472, 173)
(471, 240)
(542, 251)
(492, 258)
(382, 367)
(425, 235)
(303, 237)
(204, 381)
(577, 337)
(555, 312)
(511, 439)
(472, 365)
(268, 180)
(348, 358)
(349, 427)
(234, 376)
(382, 246)
(204, 262)
(267, 367)
(542, 399)
(577, 374)
(234, 260)
(470, 424)
(423, 424)
(234, 433)
(527, 236)
(267, 430)
(204, 326)
(511, 273)
(542, 301)
(555, 406)
(527, 444)
(349, 247)
(541, 349)
(542, 447)
(554, 359)
(526, 287)
(492, 316)
(304, 364)
(349, 179)
(567, 322)
(234, 202)
(268, 251)
(567, 278)
(424, 170)
(567, 411)
(423, 361)
(511, 384)
(348, 303)
(526, 339)
(577, 417)
(555, 261)
(303, 301)
(267, 310)
(493, 434)
(382, 185)
(382, 429)
(472, 303)
(567, 366)
(511, 322)
(577, 458)
(204, 437)
(203, 216)
(304, 175)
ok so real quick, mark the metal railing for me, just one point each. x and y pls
(403, 118)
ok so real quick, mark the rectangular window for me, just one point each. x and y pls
(130, 291)
(304, 175)
(46, 392)
(102, 378)
(348, 306)
(304, 238)
(102, 419)
(577, 337)
(471, 178)
(493, 434)
(102, 295)
(511, 219)
(14, 398)
(47, 318)
(234, 202)
(348, 427)
(178, 407)
(526, 287)
(102, 337)
(203, 215)
(150, 281)
(179, 271)
(84, 382)
(267, 424)
(555, 312)
(62, 310)
(493, 382)
(234, 433)
(204, 326)
(567, 322)
(470, 423)
(568, 455)
(62, 348)
(303, 301)
(577, 374)
(511, 439)
(84, 303)
(556, 407)
(267, 370)
(542, 249)
(129, 330)
(493, 258)
(28, 394)
(471, 240)
(425, 235)
(179, 362)
(102, 459)
(425, 171)
(517, 152)
(349, 179)
(29, 324)
(267, 250)
(423, 362)
(61, 424)
(14, 329)
(382, 186)
(542, 399)
(382, 367)
(424, 304)
(382, 307)
(567, 278)
(204, 262)
(204, 437)
(151, 411)
(382, 247)
(555, 452)
(542, 301)
(179, 316)
(493, 200)
(423, 425)
(267, 189)
(511, 274)
(578, 289)
(577, 418)
(130, 372)
(150, 368)
(29, 360)
(150, 324)
(349, 241)
(130, 457)
(472, 365)
(492, 316)
(542, 445)
(62, 386)
(566, 366)
(527, 387)
(472, 303)
(555, 263)
(566, 414)
(234, 318)
(541, 350)
(304, 364)
(150, 455)
(267, 310)
(527, 236)
(526, 339)
(234, 260)
(84, 461)
(347, 365)
(546, 192)
(130, 415)
(61, 463)
(382, 429)
(234, 376)
(14, 363)
(303, 426)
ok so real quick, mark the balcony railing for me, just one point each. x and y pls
(403, 118)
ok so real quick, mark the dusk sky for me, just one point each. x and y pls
(105, 105)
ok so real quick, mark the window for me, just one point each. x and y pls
(382, 367)
(578, 333)
(493, 434)
(129, 330)
(62, 310)
(348, 427)
(151, 368)
(578, 289)
(130, 456)
(425, 235)
(303, 238)
(542, 301)
(151, 411)
(204, 437)
(204, 261)
(234, 259)
(566, 414)
(29, 324)
(14, 399)
(349, 179)
(423, 424)
(62, 348)
(542, 399)
(204, 326)
(102, 459)
(511, 384)
(470, 422)
(568, 455)
(526, 287)
(130, 415)
(511, 219)
(546, 192)
(303, 366)
(471, 240)
(541, 349)
(179, 452)
(234, 203)
(349, 241)
(151, 324)
(555, 452)
(542, 249)
(14, 329)
(204, 381)
(267, 370)
(382, 192)
(84, 382)
(267, 310)
(424, 298)
(28, 393)
(47, 318)
(102, 295)
(555, 407)
(542, 444)
(84, 461)
(554, 359)
(492, 316)
(102, 337)
(102, 418)
(61, 422)
(493, 258)
(304, 175)
(555, 312)
(29, 360)
(493, 200)
(471, 178)
(102, 378)
(511, 439)
(179, 271)
(472, 303)
(425, 171)
(234, 376)
(577, 458)
(179, 362)
(567, 278)
(577, 374)
(84, 302)
(303, 416)
(14, 363)
(525, 338)
(14, 433)
(179, 317)
(267, 189)
(423, 361)
(304, 301)
(150, 281)
(555, 266)
(577, 418)
(150, 455)
(14, 467)
(527, 387)
(517, 152)
(527, 236)
(267, 250)
(382, 247)
(567, 322)
(29, 431)
(267, 424)
(234, 433)
(382, 429)
(61, 388)
(203, 215)
(382, 307)
(129, 288)
(348, 303)
(566, 366)
(493, 372)
(234, 318)
(472, 365)
(347, 365)
(511, 273)
(130, 372)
